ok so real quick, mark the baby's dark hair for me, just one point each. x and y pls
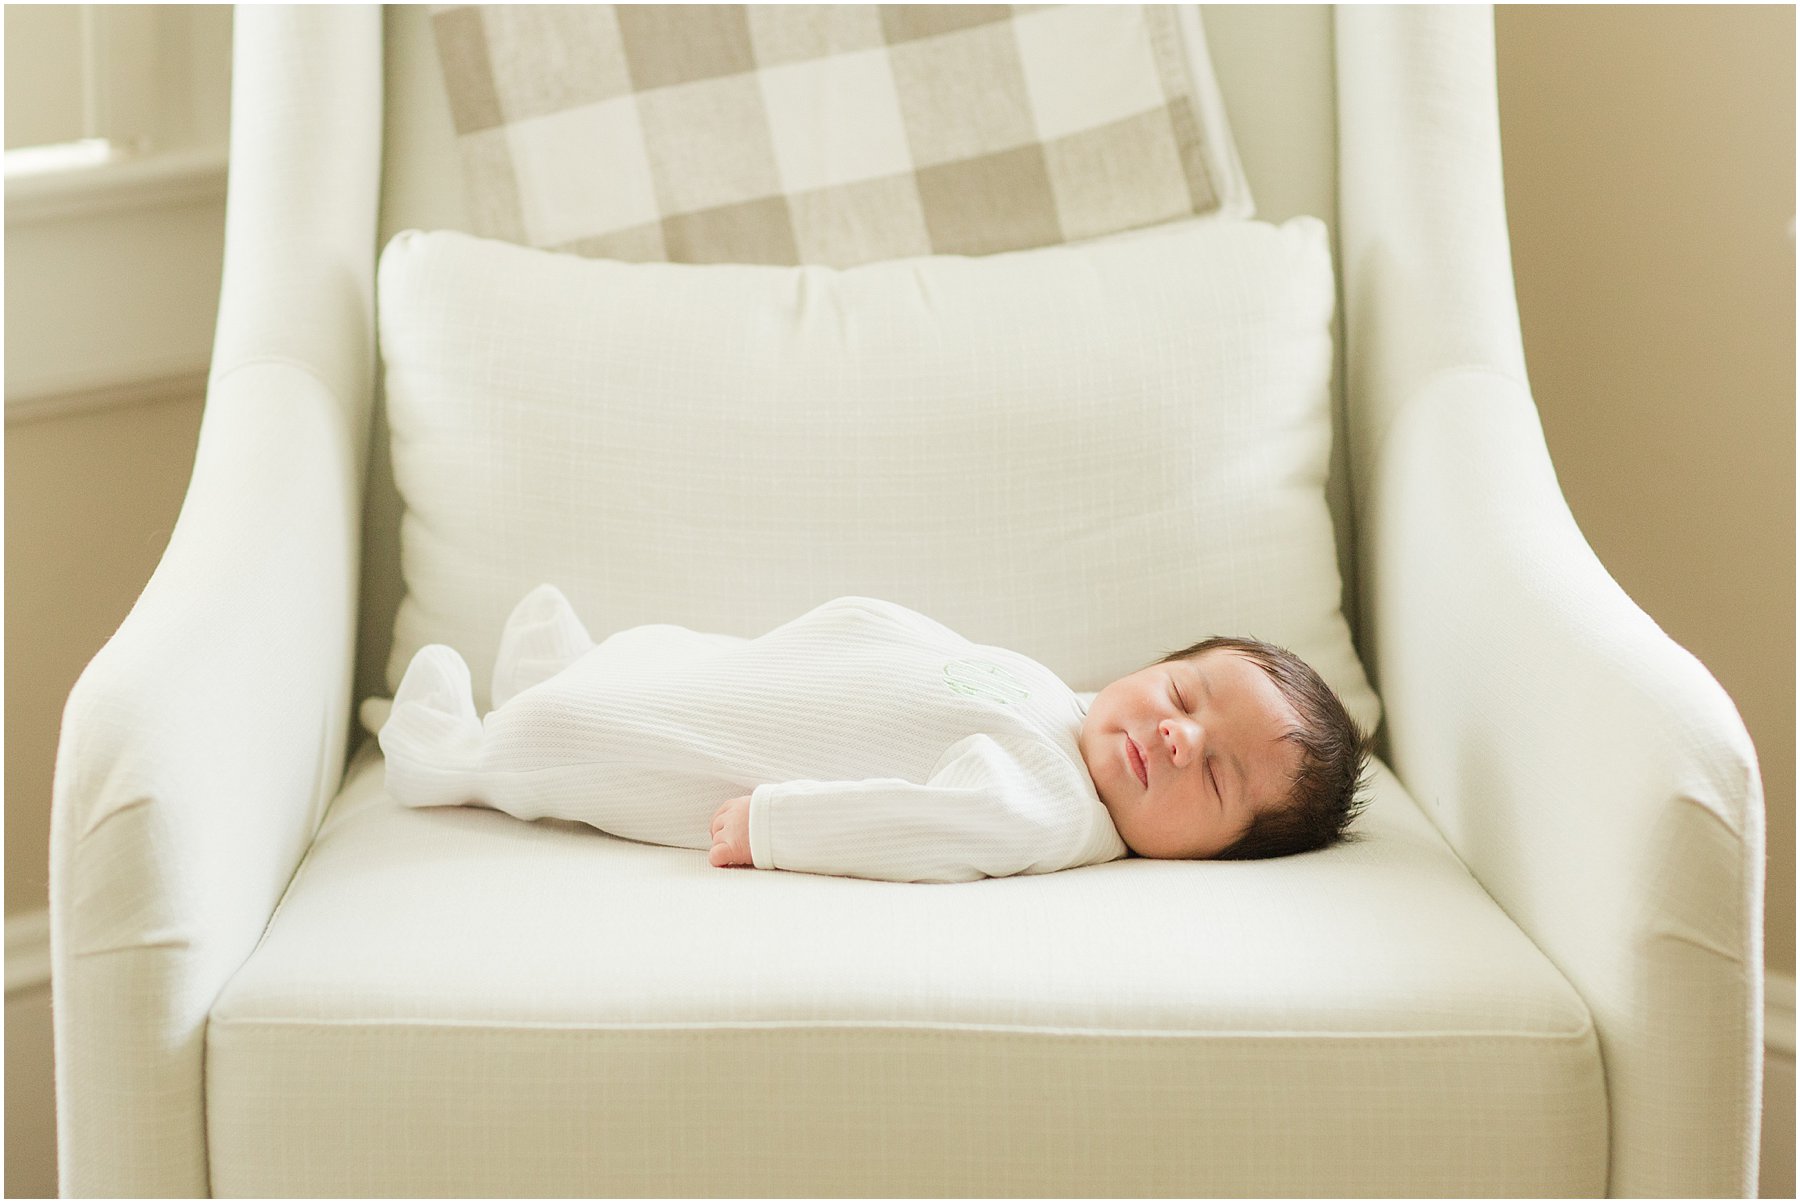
(1334, 757)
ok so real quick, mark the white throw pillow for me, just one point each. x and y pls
(1093, 454)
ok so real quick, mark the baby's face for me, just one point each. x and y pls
(1184, 754)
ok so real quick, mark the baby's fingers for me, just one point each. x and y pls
(724, 856)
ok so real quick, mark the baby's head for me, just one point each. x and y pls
(1232, 749)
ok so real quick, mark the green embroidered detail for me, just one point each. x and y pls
(985, 679)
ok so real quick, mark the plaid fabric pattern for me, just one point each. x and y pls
(823, 134)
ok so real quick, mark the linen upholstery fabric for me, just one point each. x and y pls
(831, 134)
(201, 745)
(452, 1002)
(1587, 768)
(1092, 455)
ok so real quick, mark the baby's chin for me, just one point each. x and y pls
(1086, 743)
(1105, 789)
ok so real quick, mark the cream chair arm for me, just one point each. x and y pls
(1589, 771)
(200, 746)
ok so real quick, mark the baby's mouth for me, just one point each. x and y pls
(1138, 766)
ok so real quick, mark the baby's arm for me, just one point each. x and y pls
(981, 814)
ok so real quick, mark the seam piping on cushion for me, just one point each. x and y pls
(1583, 1033)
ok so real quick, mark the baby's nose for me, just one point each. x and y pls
(1176, 737)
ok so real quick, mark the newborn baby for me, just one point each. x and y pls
(865, 740)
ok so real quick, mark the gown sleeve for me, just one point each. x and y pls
(991, 808)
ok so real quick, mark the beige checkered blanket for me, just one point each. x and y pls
(831, 134)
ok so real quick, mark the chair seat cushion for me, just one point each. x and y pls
(455, 1002)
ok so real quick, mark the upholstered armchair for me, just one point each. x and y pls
(1539, 973)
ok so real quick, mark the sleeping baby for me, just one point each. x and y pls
(864, 739)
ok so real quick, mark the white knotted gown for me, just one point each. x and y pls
(874, 742)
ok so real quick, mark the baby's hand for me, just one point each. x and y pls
(731, 833)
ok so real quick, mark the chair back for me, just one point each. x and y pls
(1274, 67)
